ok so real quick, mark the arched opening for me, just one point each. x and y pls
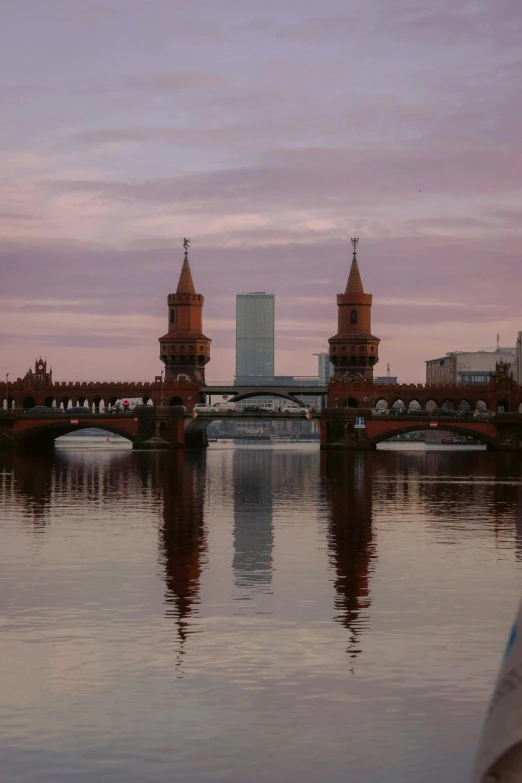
(481, 404)
(353, 317)
(448, 405)
(464, 405)
(173, 315)
(424, 426)
(351, 402)
(99, 404)
(50, 402)
(29, 402)
(66, 403)
(176, 401)
(146, 400)
(414, 405)
(382, 405)
(503, 406)
(83, 401)
(398, 405)
(431, 405)
(113, 401)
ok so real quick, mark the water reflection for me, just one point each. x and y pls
(253, 528)
(348, 486)
(183, 538)
(407, 561)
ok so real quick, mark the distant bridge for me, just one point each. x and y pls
(302, 386)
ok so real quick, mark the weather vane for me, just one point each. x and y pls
(186, 244)
(355, 242)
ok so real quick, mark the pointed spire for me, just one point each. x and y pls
(185, 283)
(354, 284)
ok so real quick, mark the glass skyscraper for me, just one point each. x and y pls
(325, 369)
(255, 335)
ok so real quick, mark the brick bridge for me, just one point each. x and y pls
(172, 428)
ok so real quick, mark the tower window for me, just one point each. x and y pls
(352, 349)
(353, 317)
(361, 349)
(191, 347)
(173, 315)
(343, 349)
(181, 347)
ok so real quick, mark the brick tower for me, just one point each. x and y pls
(354, 350)
(184, 349)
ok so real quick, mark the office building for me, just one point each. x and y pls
(467, 367)
(255, 320)
(325, 369)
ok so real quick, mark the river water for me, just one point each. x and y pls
(252, 614)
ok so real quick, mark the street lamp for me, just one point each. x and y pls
(7, 390)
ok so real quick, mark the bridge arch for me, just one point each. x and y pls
(464, 405)
(459, 429)
(45, 434)
(381, 404)
(263, 392)
(29, 402)
(448, 404)
(398, 403)
(414, 405)
(481, 404)
(431, 405)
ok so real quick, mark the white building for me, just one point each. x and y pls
(468, 367)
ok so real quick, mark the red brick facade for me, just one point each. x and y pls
(354, 350)
(184, 349)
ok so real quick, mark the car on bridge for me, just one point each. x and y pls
(484, 412)
(78, 409)
(293, 408)
(216, 407)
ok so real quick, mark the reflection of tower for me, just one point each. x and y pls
(253, 531)
(184, 349)
(183, 535)
(354, 349)
(32, 475)
(347, 478)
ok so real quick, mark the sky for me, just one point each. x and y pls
(269, 133)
